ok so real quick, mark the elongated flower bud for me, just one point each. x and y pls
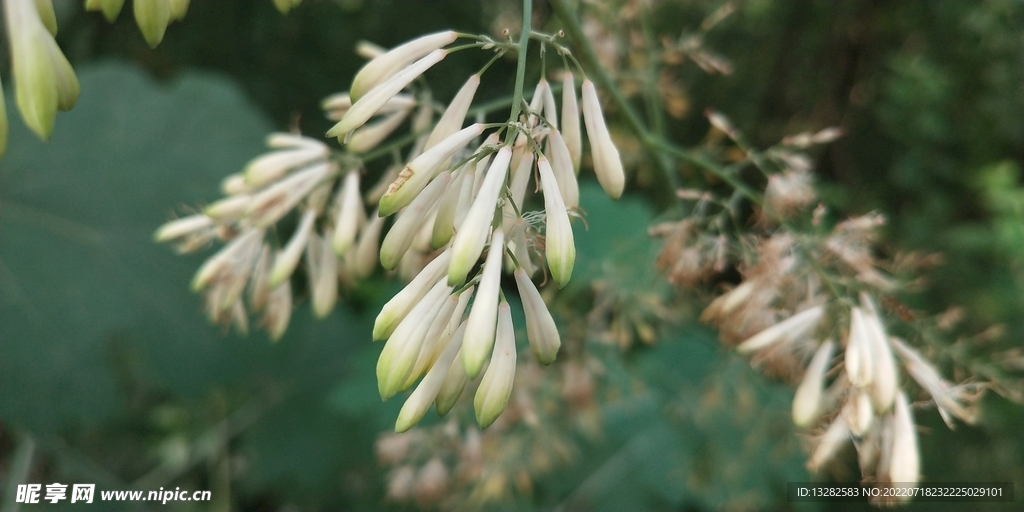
(287, 259)
(559, 247)
(540, 327)
(259, 287)
(278, 311)
(184, 226)
(455, 380)
(228, 209)
(858, 351)
(496, 386)
(417, 173)
(179, 8)
(607, 164)
(883, 385)
(571, 121)
(63, 74)
(483, 315)
(323, 273)
(784, 331)
(382, 68)
(152, 17)
(561, 164)
(35, 87)
(369, 136)
(366, 106)
(550, 110)
(471, 235)
(110, 8)
(399, 306)
(453, 117)
(402, 348)
(350, 205)
(273, 166)
(401, 234)
(905, 463)
(420, 399)
(807, 401)
(363, 259)
(444, 222)
(835, 436)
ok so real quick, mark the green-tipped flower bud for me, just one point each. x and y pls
(483, 315)
(471, 235)
(399, 306)
(540, 327)
(559, 247)
(110, 8)
(607, 164)
(496, 386)
(152, 17)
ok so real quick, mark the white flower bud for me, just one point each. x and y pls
(443, 226)
(35, 78)
(323, 273)
(278, 311)
(904, 463)
(152, 17)
(184, 226)
(559, 247)
(382, 68)
(420, 399)
(828, 444)
(453, 117)
(259, 288)
(607, 164)
(234, 184)
(273, 166)
(455, 379)
(540, 327)
(410, 219)
(858, 359)
(363, 259)
(402, 348)
(349, 217)
(417, 173)
(288, 258)
(571, 121)
(399, 306)
(550, 111)
(496, 385)
(858, 411)
(561, 164)
(229, 209)
(366, 106)
(179, 8)
(808, 397)
(471, 235)
(482, 317)
(884, 385)
(369, 136)
(285, 140)
(784, 331)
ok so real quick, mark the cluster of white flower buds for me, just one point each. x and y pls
(459, 199)
(469, 204)
(851, 390)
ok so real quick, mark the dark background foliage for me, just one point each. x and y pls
(108, 365)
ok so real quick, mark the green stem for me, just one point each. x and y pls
(524, 42)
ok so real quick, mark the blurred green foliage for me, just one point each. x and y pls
(108, 363)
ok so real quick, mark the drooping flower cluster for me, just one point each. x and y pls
(461, 197)
(807, 310)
